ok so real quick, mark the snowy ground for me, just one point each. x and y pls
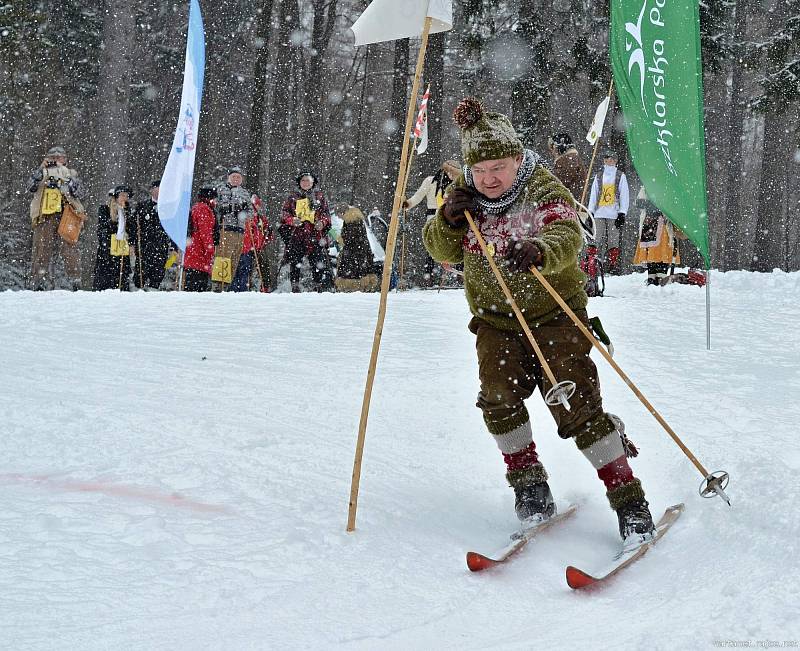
(175, 473)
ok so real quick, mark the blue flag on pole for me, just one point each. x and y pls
(175, 196)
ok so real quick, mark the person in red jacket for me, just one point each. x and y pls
(198, 260)
(304, 227)
(257, 233)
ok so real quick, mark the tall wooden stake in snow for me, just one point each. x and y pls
(387, 20)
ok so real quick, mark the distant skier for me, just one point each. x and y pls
(608, 203)
(528, 217)
(113, 266)
(233, 209)
(567, 165)
(355, 270)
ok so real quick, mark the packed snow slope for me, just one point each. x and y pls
(175, 474)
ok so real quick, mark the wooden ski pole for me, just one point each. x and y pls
(121, 267)
(560, 391)
(255, 252)
(139, 249)
(710, 479)
(594, 153)
(391, 242)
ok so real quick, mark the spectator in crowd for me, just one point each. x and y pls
(233, 208)
(113, 266)
(355, 270)
(55, 187)
(150, 242)
(257, 234)
(609, 205)
(199, 257)
(432, 190)
(304, 226)
(657, 247)
(567, 165)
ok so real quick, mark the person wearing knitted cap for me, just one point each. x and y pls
(112, 266)
(527, 217)
(233, 210)
(609, 202)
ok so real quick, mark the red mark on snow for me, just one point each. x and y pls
(115, 490)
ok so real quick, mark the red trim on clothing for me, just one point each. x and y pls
(526, 458)
(616, 473)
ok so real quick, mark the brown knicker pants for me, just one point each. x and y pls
(45, 237)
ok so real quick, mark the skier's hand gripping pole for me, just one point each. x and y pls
(561, 392)
(713, 483)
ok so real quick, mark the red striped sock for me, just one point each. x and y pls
(525, 458)
(616, 473)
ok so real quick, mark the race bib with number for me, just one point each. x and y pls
(608, 195)
(51, 203)
(221, 273)
(303, 211)
(119, 247)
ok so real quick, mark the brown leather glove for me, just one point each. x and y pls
(522, 255)
(458, 201)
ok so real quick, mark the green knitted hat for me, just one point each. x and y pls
(485, 135)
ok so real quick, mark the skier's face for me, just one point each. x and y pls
(307, 182)
(235, 179)
(493, 178)
(122, 198)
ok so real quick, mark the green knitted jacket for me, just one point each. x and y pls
(545, 212)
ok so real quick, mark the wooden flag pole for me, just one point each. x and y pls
(391, 242)
(594, 153)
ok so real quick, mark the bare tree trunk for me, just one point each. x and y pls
(255, 149)
(119, 26)
(315, 90)
(435, 65)
(772, 194)
(395, 129)
(733, 214)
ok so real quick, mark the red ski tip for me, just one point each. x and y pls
(578, 579)
(477, 562)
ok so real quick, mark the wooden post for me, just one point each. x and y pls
(619, 371)
(594, 153)
(139, 247)
(391, 242)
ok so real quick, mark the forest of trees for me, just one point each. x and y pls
(286, 90)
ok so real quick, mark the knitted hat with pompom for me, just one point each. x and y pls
(485, 135)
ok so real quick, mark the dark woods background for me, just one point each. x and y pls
(286, 90)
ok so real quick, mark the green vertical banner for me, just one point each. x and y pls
(658, 72)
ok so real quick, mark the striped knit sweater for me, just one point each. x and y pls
(545, 212)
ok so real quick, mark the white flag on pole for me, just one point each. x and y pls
(599, 120)
(174, 200)
(390, 20)
(421, 127)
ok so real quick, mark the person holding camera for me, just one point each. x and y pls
(55, 187)
(233, 210)
(112, 268)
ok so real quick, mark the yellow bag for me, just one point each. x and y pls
(221, 273)
(51, 201)
(171, 260)
(302, 208)
(608, 195)
(119, 247)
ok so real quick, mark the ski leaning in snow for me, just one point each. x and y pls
(577, 579)
(477, 562)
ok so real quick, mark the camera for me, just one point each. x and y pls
(53, 183)
(50, 163)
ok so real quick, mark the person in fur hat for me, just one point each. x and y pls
(528, 217)
(355, 271)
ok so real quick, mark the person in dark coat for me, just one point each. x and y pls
(155, 245)
(113, 219)
(567, 165)
(198, 261)
(305, 222)
(355, 270)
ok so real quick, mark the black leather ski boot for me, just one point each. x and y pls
(534, 502)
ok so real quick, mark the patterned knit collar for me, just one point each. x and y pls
(502, 203)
